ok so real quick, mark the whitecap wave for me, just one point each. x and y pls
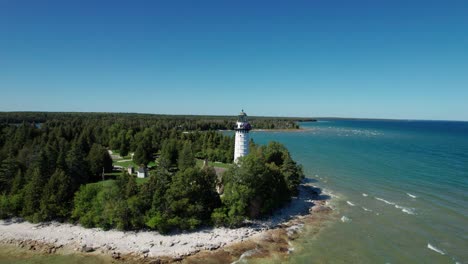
(411, 195)
(408, 211)
(367, 210)
(431, 247)
(345, 219)
(350, 203)
(385, 201)
(405, 210)
(364, 194)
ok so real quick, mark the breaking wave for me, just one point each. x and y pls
(431, 247)
(385, 201)
(405, 210)
(345, 219)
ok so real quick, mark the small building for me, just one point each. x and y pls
(130, 170)
(142, 172)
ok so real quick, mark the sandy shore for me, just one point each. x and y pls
(49, 237)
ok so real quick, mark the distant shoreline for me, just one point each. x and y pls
(269, 130)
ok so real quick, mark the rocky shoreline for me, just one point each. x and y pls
(257, 239)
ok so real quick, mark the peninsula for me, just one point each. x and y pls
(72, 176)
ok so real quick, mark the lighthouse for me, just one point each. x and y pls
(242, 129)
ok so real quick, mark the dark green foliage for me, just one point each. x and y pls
(170, 152)
(265, 180)
(86, 205)
(77, 164)
(99, 160)
(32, 195)
(8, 168)
(56, 197)
(143, 155)
(17, 183)
(5, 207)
(52, 171)
(186, 159)
(191, 198)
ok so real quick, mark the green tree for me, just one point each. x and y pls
(32, 196)
(78, 167)
(57, 196)
(99, 159)
(169, 151)
(293, 175)
(191, 198)
(85, 201)
(8, 168)
(5, 207)
(143, 155)
(186, 158)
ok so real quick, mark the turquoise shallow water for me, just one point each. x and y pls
(399, 188)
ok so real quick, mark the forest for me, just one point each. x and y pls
(52, 168)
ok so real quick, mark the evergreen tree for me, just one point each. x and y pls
(56, 197)
(186, 158)
(143, 155)
(190, 198)
(32, 195)
(293, 175)
(99, 159)
(124, 147)
(169, 151)
(17, 183)
(77, 165)
(8, 169)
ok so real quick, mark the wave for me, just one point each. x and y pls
(345, 219)
(408, 211)
(405, 210)
(364, 194)
(350, 203)
(431, 247)
(411, 195)
(367, 210)
(385, 201)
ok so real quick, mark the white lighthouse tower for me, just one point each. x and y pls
(242, 136)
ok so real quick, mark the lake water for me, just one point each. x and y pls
(400, 189)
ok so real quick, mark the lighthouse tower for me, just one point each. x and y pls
(242, 129)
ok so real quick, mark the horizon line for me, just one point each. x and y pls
(269, 116)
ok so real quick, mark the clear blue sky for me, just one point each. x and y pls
(386, 59)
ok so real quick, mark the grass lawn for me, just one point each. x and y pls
(113, 174)
(110, 182)
(128, 163)
(105, 184)
(124, 163)
(214, 164)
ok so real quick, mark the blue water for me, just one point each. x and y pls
(407, 180)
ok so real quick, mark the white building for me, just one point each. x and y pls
(242, 129)
(142, 172)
